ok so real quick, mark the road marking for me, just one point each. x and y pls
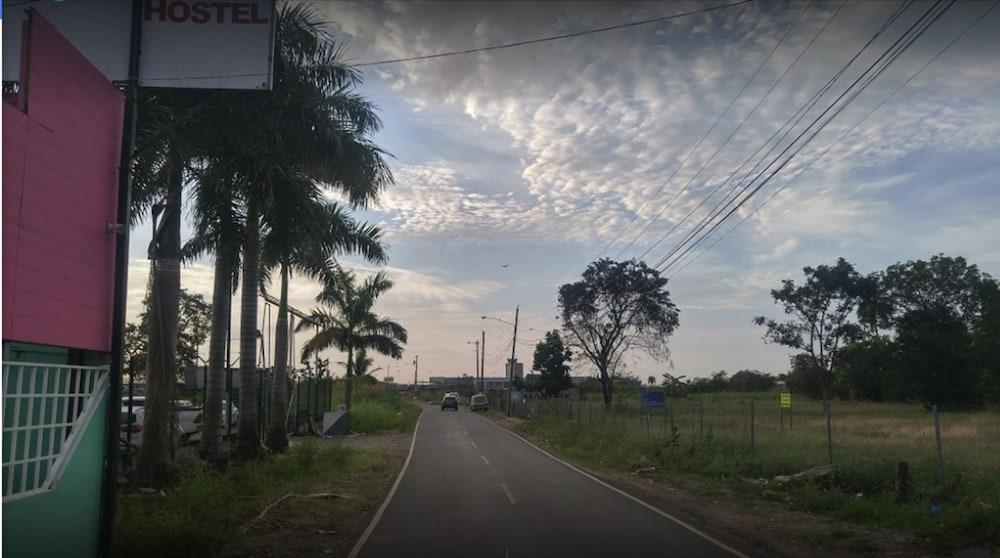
(486, 461)
(650, 507)
(388, 498)
(466, 432)
(507, 491)
(473, 444)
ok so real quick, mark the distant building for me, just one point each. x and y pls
(518, 368)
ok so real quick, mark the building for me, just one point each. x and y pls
(518, 369)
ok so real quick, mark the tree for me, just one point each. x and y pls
(943, 283)
(821, 309)
(675, 385)
(867, 371)
(306, 236)
(752, 380)
(614, 308)
(986, 341)
(348, 323)
(195, 320)
(935, 355)
(312, 123)
(551, 362)
(651, 380)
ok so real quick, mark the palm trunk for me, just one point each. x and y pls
(158, 429)
(277, 436)
(211, 447)
(349, 385)
(248, 441)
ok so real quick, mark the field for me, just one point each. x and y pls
(376, 410)
(711, 437)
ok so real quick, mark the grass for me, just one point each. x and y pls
(711, 439)
(377, 410)
(204, 509)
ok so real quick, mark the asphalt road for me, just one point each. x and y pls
(473, 489)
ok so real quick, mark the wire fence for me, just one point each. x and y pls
(899, 450)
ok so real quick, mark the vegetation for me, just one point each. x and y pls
(205, 508)
(192, 332)
(351, 324)
(551, 362)
(706, 440)
(260, 166)
(614, 308)
(922, 331)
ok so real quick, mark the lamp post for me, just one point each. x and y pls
(476, 343)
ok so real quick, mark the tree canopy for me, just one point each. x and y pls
(614, 308)
(551, 361)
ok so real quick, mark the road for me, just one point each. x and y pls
(474, 489)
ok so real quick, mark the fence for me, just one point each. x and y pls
(899, 449)
(46, 408)
(309, 397)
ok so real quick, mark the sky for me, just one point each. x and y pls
(515, 168)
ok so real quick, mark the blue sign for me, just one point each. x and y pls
(652, 399)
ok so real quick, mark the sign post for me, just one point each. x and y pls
(785, 402)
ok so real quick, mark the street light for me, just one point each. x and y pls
(476, 343)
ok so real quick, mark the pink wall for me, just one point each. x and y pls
(60, 182)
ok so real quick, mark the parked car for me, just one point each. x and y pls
(479, 402)
(134, 422)
(235, 419)
(449, 402)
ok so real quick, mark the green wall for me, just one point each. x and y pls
(64, 521)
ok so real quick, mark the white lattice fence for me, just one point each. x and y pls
(46, 409)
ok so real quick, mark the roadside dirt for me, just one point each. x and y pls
(756, 527)
(325, 525)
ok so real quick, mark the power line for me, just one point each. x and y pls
(790, 124)
(839, 140)
(705, 135)
(894, 51)
(500, 46)
(744, 121)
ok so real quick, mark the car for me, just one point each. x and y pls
(479, 402)
(234, 419)
(134, 422)
(449, 402)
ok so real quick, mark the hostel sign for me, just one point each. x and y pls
(201, 44)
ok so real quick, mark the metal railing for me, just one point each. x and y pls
(47, 407)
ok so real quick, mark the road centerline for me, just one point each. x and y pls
(486, 461)
(508, 493)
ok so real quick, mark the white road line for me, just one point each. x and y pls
(388, 497)
(650, 507)
(466, 432)
(486, 461)
(473, 444)
(509, 495)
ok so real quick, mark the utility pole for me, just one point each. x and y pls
(415, 375)
(482, 365)
(513, 349)
(476, 343)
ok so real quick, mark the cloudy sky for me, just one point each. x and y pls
(515, 168)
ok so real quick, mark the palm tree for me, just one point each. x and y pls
(312, 124)
(362, 364)
(306, 236)
(350, 324)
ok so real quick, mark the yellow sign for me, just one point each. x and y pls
(785, 399)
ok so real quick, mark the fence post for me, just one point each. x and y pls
(753, 432)
(673, 427)
(298, 404)
(940, 451)
(829, 434)
(701, 418)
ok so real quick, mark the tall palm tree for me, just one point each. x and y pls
(306, 237)
(311, 123)
(349, 323)
(362, 364)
